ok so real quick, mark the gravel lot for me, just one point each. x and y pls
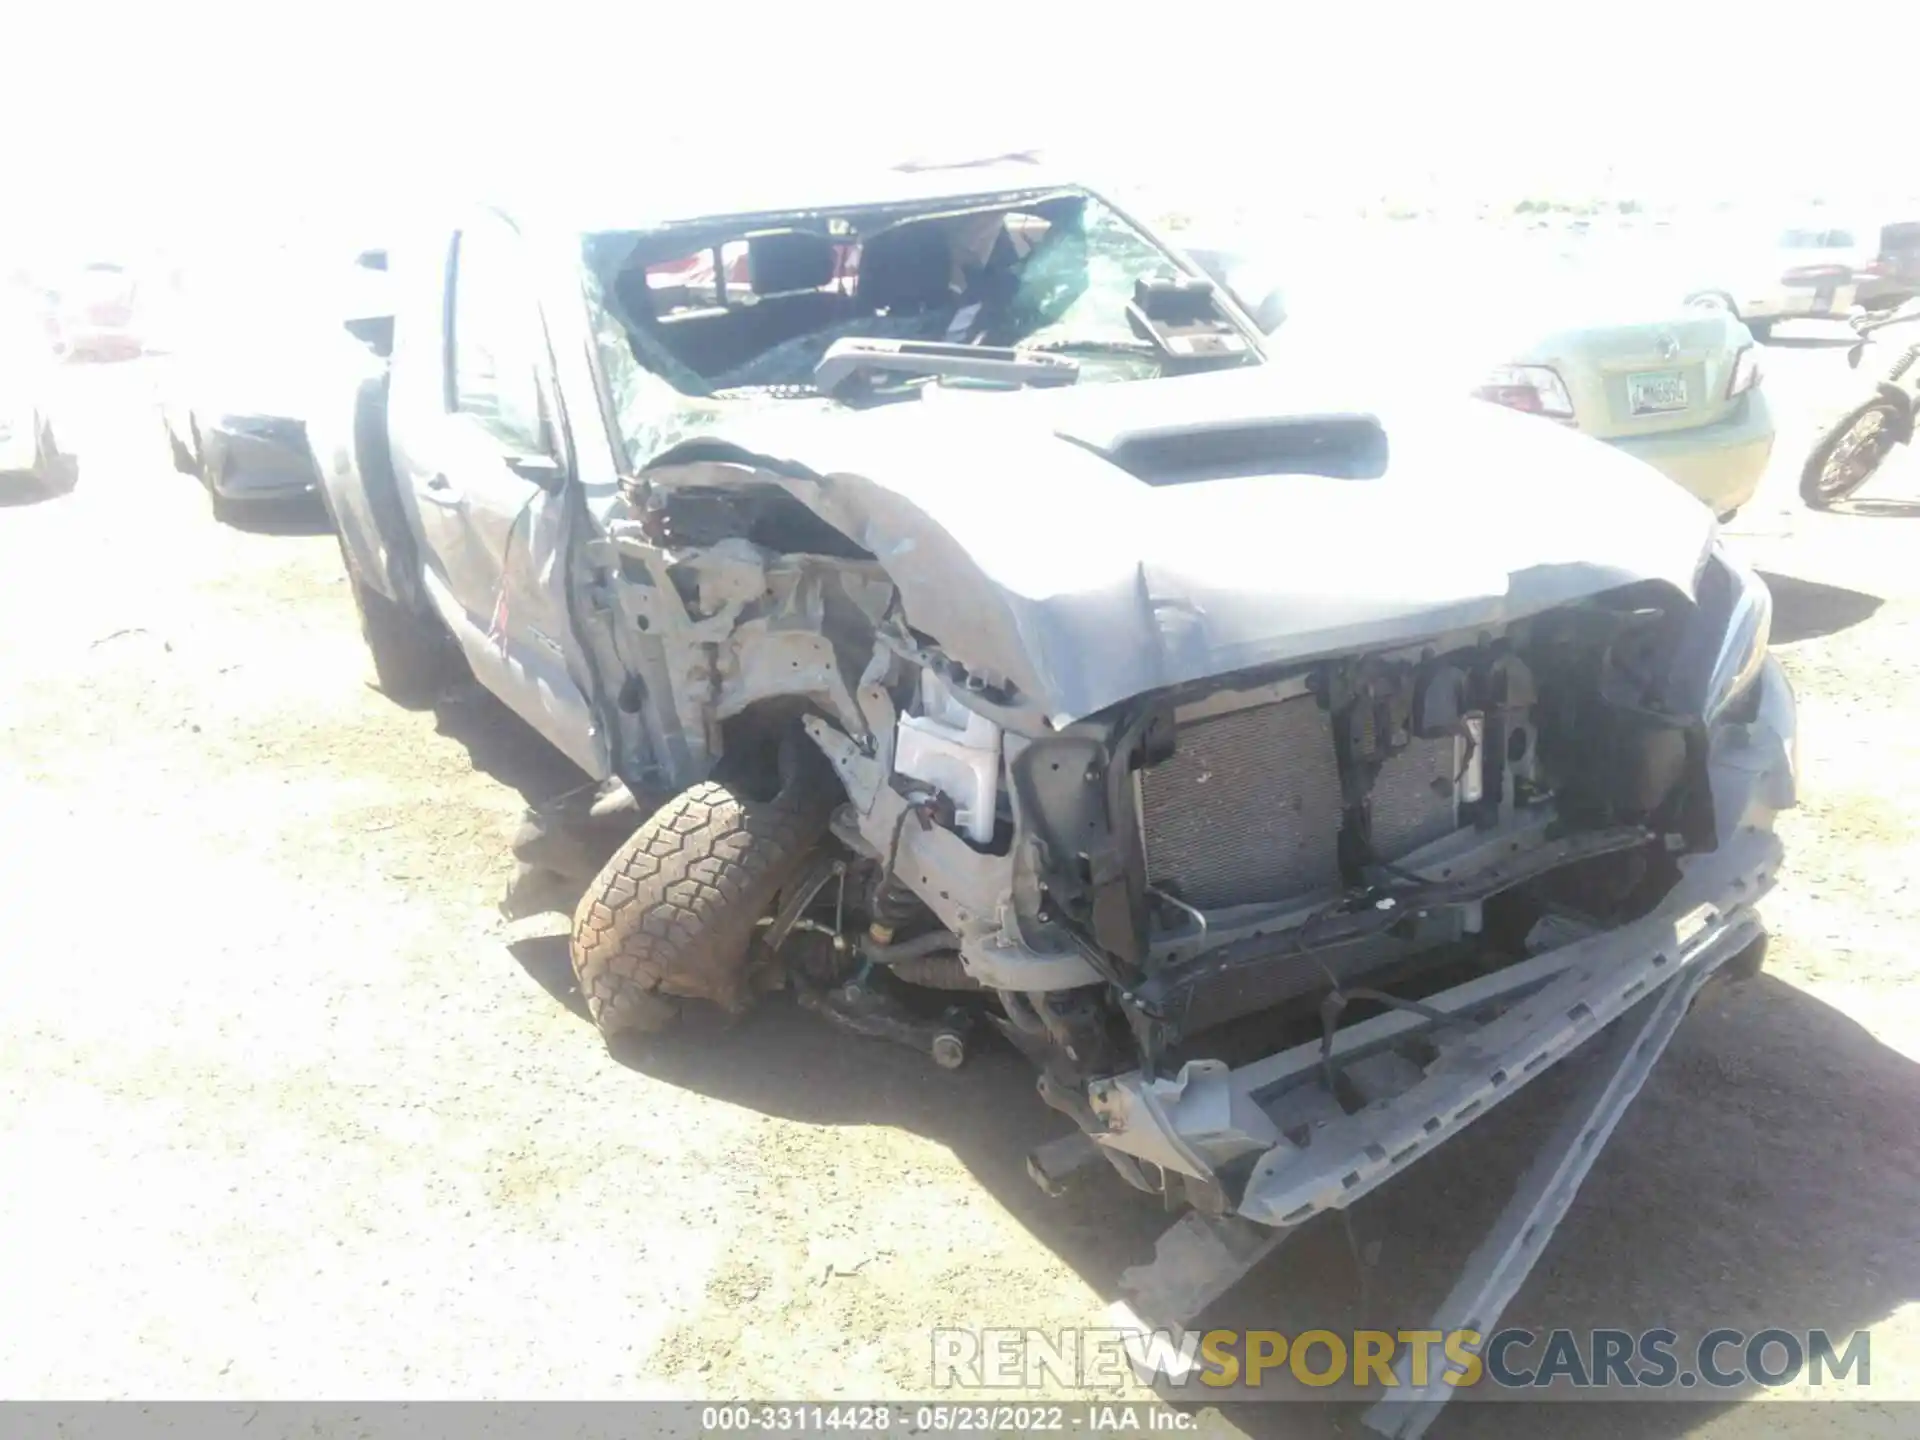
(287, 1111)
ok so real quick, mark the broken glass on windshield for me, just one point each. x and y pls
(697, 317)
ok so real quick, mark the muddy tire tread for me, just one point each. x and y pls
(671, 915)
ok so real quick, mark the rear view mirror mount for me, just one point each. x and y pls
(1248, 281)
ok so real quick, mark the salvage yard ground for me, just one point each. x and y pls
(286, 1110)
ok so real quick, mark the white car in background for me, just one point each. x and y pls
(30, 458)
(1819, 268)
(97, 312)
(1811, 273)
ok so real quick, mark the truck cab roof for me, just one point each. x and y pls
(677, 193)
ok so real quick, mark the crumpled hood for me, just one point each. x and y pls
(1027, 555)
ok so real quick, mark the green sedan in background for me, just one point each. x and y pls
(1680, 390)
(1597, 334)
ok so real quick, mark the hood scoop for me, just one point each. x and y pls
(1341, 447)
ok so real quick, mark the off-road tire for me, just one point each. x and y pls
(671, 916)
(1811, 474)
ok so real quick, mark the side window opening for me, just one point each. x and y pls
(742, 272)
(723, 313)
(699, 315)
(496, 347)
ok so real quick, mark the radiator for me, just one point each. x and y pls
(1247, 811)
(1413, 797)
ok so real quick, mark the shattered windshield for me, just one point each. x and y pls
(696, 319)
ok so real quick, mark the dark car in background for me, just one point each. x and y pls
(250, 356)
(1892, 277)
(240, 456)
(232, 400)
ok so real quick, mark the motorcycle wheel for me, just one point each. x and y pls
(1849, 453)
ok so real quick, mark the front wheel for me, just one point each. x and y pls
(1849, 453)
(672, 916)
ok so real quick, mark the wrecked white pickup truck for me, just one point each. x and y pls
(967, 615)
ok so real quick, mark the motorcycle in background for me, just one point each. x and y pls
(1851, 450)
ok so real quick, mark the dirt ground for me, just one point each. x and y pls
(287, 1110)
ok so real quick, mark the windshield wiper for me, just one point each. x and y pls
(859, 357)
(1095, 347)
(1176, 349)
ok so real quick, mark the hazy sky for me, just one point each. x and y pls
(218, 119)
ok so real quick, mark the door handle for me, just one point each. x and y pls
(439, 482)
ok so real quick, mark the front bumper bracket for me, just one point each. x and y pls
(1201, 1257)
(1514, 1244)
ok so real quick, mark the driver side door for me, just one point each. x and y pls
(484, 468)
